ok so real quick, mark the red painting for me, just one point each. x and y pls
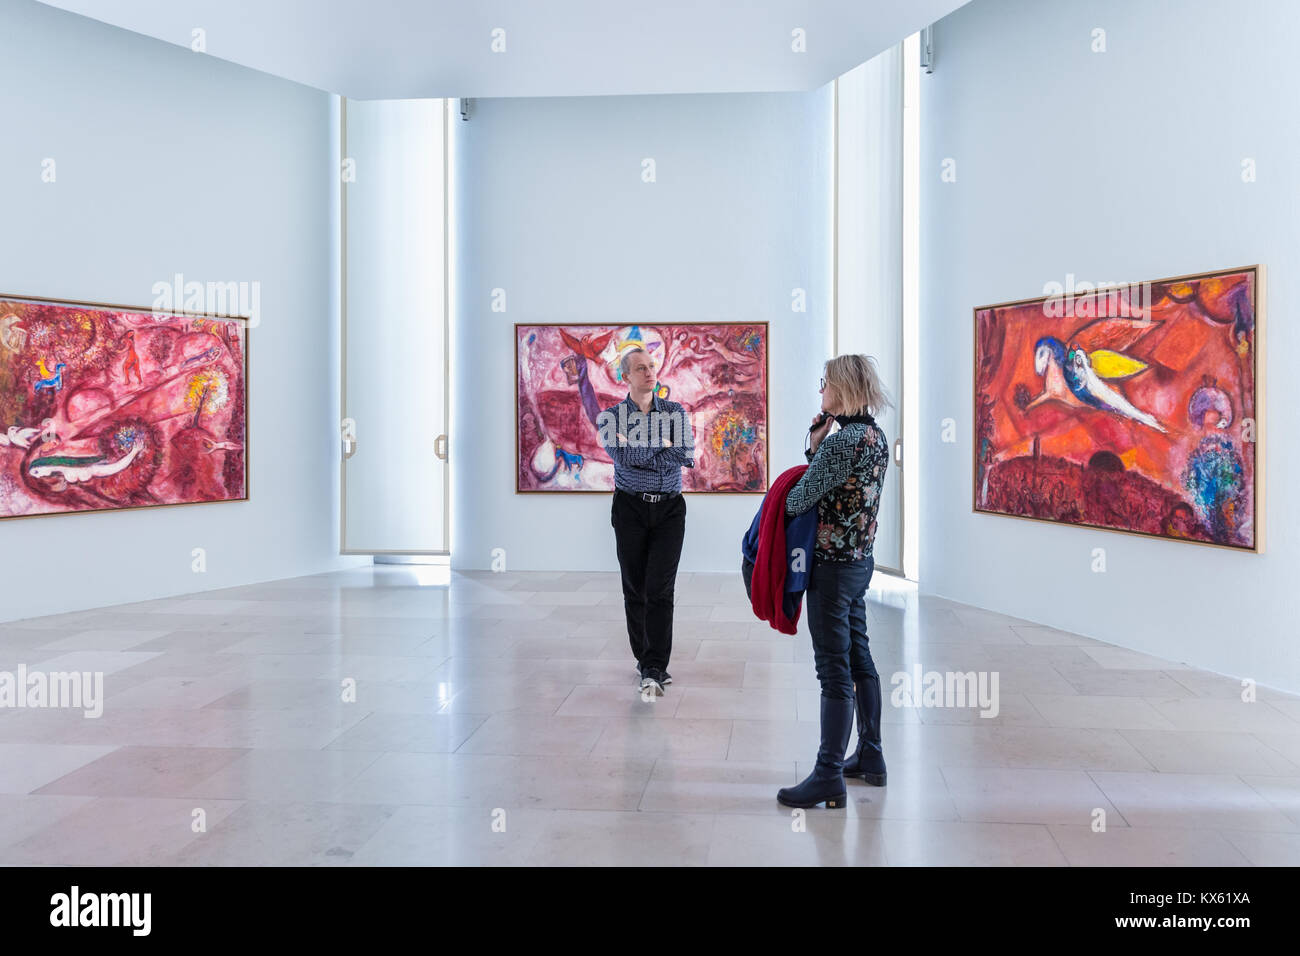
(1131, 407)
(104, 409)
(568, 374)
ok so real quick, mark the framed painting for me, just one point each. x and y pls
(567, 374)
(109, 408)
(1133, 408)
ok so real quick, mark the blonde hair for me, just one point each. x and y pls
(858, 383)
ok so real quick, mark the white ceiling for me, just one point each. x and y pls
(400, 49)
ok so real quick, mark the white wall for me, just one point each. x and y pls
(1122, 165)
(549, 205)
(170, 161)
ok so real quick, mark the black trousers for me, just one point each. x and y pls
(649, 540)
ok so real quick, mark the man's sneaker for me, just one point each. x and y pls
(651, 683)
(668, 678)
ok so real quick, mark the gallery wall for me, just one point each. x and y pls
(550, 206)
(1111, 156)
(168, 162)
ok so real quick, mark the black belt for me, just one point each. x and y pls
(650, 497)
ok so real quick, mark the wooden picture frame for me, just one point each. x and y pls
(706, 346)
(122, 406)
(1126, 451)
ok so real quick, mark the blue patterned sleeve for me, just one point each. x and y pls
(830, 468)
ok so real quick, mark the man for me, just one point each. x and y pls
(649, 439)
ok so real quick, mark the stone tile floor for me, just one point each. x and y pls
(412, 715)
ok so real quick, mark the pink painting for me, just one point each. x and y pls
(103, 409)
(567, 374)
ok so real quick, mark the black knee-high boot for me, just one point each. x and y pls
(826, 782)
(868, 761)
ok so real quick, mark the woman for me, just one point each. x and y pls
(843, 480)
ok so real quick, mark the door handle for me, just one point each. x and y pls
(348, 429)
(440, 447)
(898, 452)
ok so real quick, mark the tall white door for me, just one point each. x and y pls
(395, 394)
(869, 255)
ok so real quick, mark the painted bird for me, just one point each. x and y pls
(1085, 380)
(1077, 374)
(51, 380)
(587, 348)
(18, 436)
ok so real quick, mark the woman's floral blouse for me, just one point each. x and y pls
(843, 480)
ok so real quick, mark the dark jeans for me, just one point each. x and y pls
(649, 540)
(837, 619)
